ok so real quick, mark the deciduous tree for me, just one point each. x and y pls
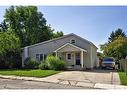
(28, 24)
(116, 45)
(117, 48)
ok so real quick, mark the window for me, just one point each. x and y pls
(108, 59)
(72, 41)
(68, 56)
(44, 56)
(41, 57)
(37, 57)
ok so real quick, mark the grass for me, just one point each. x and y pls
(123, 77)
(29, 73)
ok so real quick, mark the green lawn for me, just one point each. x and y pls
(123, 77)
(29, 73)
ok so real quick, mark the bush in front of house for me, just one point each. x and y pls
(44, 66)
(51, 62)
(59, 65)
(55, 63)
(31, 63)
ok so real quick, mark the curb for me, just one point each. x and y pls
(24, 78)
(35, 79)
(109, 86)
(80, 84)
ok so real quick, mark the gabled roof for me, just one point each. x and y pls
(71, 34)
(70, 45)
(84, 39)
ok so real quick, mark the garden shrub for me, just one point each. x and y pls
(31, 63)
(51, 62)
(55, 63)
(44, 66)
(10, 60)
(3, 65)
(59, 65)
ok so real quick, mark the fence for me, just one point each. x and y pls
(123, 65)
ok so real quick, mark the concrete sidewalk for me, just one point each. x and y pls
(84, 83)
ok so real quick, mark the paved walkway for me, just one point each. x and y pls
(104, 79)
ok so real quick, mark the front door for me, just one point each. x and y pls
(77, 59)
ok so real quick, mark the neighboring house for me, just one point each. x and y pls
(76, 51)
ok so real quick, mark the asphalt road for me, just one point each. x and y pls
(22, 84)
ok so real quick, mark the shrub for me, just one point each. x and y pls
(31, 63)
(9, 50)
(55, 63)
(44, 66)
(59, 65)
(10, 60)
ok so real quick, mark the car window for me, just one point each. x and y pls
(108, 59)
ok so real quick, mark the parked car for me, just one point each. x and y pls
(108, 62)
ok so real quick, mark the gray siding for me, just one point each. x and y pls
(94, 56)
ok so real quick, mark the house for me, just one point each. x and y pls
(76, 51)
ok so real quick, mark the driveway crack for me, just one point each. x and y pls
(86, 78)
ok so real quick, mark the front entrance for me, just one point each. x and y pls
(77, 59)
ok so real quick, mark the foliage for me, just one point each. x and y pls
(44, 66)
(11, 59)
(29, 72)
(116, 46)
(123, 77)
(3, 26)
(117, 49)
(59, 65)
(116, 34)
(113, 36)
(31, 63)
(57, 34)
(8, 42)
(29, 25)
(9, 50)
(100, 55)
(56, 63)
(51, 62)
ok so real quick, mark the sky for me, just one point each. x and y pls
(94, 23)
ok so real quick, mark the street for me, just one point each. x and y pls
(22, 84)
(96, 79)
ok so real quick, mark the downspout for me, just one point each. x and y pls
(25, 55)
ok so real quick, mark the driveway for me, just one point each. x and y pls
(89, 78)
